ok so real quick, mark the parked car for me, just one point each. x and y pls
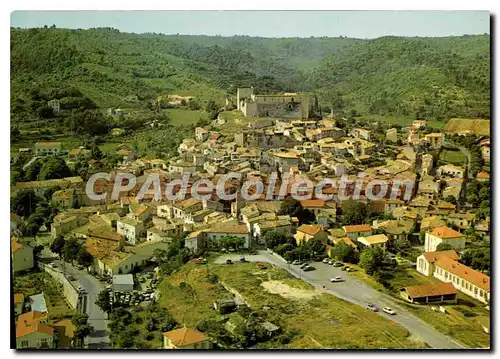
(309, 268)
(200, 261)
(79, 267)
(304, 265)
(326, 260)
(345, 268)
(372, 307)
(70, 277)
(338, 264)
(296, 262)
(330, 262)
(336, 279)
(242, 259)
(229, 261)
(261, 266)
(388, 310)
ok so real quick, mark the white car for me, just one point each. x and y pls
(336, 279)
(388, 311)
(325, 260)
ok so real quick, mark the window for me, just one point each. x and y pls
(24, 344)
(475, 290)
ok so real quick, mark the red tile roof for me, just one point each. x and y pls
(29, 323)
(310, 229)
(16, 245)
(429, 290)
(312, 203)
(446, 232)
(358, 228)
(483, 175)
(431, 257)
(466, 273)
(18, 298)
(185, 336)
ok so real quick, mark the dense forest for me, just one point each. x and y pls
(103, 67)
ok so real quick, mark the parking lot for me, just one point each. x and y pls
(355, 291)
(144, 291)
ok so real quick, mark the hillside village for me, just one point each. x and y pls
(106, 258)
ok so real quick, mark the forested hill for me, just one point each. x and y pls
(391, 75)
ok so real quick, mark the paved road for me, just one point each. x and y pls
(97, 318)
(356, 291)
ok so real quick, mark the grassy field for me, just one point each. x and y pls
(477, 126)
(460, 321)
(190, 304)
(35, 283)
(183, 117)
(453, 157)
(319, 319)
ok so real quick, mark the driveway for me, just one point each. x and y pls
(356, 291)
(97, 318)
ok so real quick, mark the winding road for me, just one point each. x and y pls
(99, 338)
(356, 291)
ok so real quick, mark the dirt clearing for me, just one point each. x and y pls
(278, 287)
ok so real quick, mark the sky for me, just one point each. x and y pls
(358, 24)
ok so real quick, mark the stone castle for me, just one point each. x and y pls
(288, 105)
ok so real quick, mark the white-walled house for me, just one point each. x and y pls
(444, 266)
(22, 256)
(444, 234)
(358, 230)
(32, 331)
(130, 228)
(425, 261)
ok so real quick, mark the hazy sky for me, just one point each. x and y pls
(360, 24)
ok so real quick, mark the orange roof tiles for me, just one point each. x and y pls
(310, 229)
(466, 273)
(18, 298)
(29, 323)
(312, 203)
(430, 290)
(483, 175)
(185, 336)
(358, 228)
(431, 257)
(16, 245)
(446, 232)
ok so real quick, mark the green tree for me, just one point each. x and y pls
(82, 328)
(293, 207)
(451, 199)
(443, 246)
(103, 301)
(353, 212)
(84, 258)
(371, 259)
(477, 258)
(95, 152)
(57, 245)
(54, 168)
(276, 238)
(70, 250)
(473, 199)
(344, 252)
(23, 203)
